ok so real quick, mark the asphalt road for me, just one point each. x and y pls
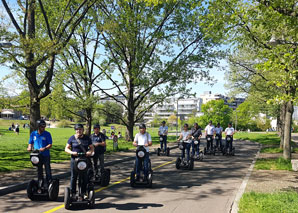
(211, 187)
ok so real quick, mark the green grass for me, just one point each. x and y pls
(273, 164)
(13, 154)
(262, 138)
(281, 202)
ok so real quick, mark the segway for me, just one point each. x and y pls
(182, 163)
(218, 146)
(82, 166)
(102, 177)
(226, 151)
(200, 156)
(38, 189)
(142, 181)
(211, 150)
(161, 151)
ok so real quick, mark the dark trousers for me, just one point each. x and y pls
(163, 142)
(209, 142)
(219, 141)
(146, 166)
(98, 157)
(195, 147)
(45, 160)
(74, 177)
(229, 144)
(186, 146)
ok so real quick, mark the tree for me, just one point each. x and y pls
(269, 28)
(41, 29)
(153, 52)
(216, 111)
(172, 120)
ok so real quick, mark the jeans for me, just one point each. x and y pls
(164, 141)
(219, 141)
(146, 165)
(98, 157)
(195, 147)
(210, 142)
(74, 176)
(187, 147)
(229, 144)
(45, 160)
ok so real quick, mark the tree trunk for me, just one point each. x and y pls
(130, 125)
(89, 121)
(287, 130)
(281, 124)
(34, 112)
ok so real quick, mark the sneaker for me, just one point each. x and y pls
(85, 197)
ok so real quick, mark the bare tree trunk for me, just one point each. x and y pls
(89, 121)
(287, 130)
(130, 125)
(282, 124)
(34, 113)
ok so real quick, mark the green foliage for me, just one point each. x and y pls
(156, 122)
(216, 111)
(263, 138)
(263, 124)
(273, 164)
(254, 202)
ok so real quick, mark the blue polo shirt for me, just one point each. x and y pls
(41, 141)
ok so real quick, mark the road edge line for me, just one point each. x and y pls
(234, 207)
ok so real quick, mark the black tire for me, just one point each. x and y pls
(158, 152)
(132, 179)
(178, 163)
(168, 151)
(67, 201)
(201, 156)
(31, 189)
(105, 179)
(205, 151)
(150, 179)
(191, 164)
(91, 196)
(54, 190)
(233, 151)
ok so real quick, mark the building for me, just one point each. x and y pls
(10, 114)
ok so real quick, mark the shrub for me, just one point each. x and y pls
(64, 124)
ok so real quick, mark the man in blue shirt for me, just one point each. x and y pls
(42, 140)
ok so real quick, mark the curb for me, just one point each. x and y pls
(18, 187)
(234, 207)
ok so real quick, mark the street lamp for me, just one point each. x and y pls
(177, 116)
(236, 120)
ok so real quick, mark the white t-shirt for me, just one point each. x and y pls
(142, 139)
(210, 129)
(218, 130)
(229, 131)
(163, 130)
(185, 134)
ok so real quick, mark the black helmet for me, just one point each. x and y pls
(230, 123)
(163, 122)
(41, 123)
(78, 126)
(96, 126)
(210, 122)
(142, 126)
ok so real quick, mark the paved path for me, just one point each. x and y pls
(210, 187)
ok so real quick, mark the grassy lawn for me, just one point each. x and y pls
(262, 138)
(273, 164)
(283, 202)
(13, 154)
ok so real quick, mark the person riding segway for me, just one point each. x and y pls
(218, 138)
(209, 134)
(196, 134)
(102, 175)
(229, 149)
(80, 147)
(184, 143)
(41, 142)
(162, 133)
(142, 173)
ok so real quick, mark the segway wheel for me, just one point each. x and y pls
(67, 201)
(168, 151)
(31, 189)
(224, 151)
(158, 151)
(54, 190)
(105, 180)
(205, 151)
(233, 151)
(91, 196)
(150, 176)
(191, 164)
(132, 179)
(178, 163)
(201, 156)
